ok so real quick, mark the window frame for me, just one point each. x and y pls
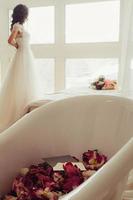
(60, 50)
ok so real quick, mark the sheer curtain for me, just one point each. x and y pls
(126, 49)
(126, 66)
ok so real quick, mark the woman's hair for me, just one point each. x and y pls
(20, 14)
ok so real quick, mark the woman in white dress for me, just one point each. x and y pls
(20, 85)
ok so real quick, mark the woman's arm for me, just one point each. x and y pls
(12, 38)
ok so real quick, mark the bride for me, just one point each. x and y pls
(20, 85)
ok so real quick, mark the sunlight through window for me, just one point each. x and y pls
(92, 22)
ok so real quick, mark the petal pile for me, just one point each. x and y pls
(41, 182)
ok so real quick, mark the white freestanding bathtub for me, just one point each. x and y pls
(72, 126)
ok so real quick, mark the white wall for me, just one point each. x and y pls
(4, 57)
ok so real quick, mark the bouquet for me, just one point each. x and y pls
(104, 84)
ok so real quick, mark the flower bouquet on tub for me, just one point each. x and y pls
(104, 84)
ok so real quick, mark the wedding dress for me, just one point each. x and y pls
(21, 84)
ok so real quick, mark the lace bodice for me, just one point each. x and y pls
(23, 38)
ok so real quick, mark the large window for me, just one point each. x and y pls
(74, 41)
(92, 22)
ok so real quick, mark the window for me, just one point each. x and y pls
(41, 25)
(45, 68)
(81, 72)
(92, 22)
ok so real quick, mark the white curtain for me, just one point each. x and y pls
(126, 66)
(126, 48)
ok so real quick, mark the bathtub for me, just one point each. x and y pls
(72, 126)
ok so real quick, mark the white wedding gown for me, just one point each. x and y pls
(21, 84)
